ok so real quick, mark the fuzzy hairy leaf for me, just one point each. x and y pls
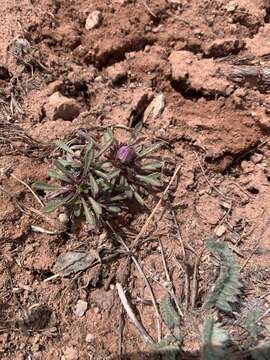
(154, 165)
(168, 313)
(63, 146)
(96, 207)
(250, 324)
(59, 176)
(135, 132)
(139, 198)
(59, 165)
(214, 341)
(168, 348)
(93, 185)
(54, 204)
(261, 352)
(149, 180)
(149, 149)
(40, 185)
(88, 213)
(228, 284)
(88, 158)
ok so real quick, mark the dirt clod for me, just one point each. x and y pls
(203, 76)
(117, 73)
(224, 47)
(61, 107)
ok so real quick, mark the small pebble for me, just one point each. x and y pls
(256, 158)
(89, 338)
(63, 218)
(93, 20)
(81, 308)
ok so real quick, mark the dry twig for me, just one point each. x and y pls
(146, 337)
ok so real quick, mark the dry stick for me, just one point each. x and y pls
(147, 338)
(194, 288)
(207, 180)
(29, 188)
(148, 9)
(170, 290)
(155, 208)
(119, 238)
(179, 234)
(183, 267)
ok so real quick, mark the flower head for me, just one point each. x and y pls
(125, 154)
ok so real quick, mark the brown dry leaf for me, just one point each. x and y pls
(73, 261)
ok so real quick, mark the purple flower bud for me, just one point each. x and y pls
(125, 154)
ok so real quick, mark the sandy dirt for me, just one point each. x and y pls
(193, 59)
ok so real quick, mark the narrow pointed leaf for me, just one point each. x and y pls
(150, 149)
(56, 175)
(135, 132)
(104, 147)
(152, 165)
(44, 186)
(54, 204)
(108, 135)
(88, 158)
(88, 213)
(93, 185)
(139, 198)
(119, 197)
(96, 207)
(62, 168)
(113, 209)
(61, 145)
(114, 174)
(149, 180)
(102, 174)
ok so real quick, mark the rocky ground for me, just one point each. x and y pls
(197, 74)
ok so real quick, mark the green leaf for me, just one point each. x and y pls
(149, 180)
(96, 207)
(54, 204)
(119, 197)
(250, 323)
(154, 165)
(228, 284)
(77, 209)
(215, 341)
(93, 185)
(168, 313)
(45, 186)
(61, 145)
(168, 348)
(88, 214)
(58, 164)
(88, 158)
(113, 209)
(108, 136)
(139, 198)
(108, 142)
(150, 149)
(135, 132)
(101, 174)
(56, 175)
(114, 174)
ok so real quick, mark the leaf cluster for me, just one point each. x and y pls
(90, 179)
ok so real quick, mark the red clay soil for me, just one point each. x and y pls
(57, 78)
